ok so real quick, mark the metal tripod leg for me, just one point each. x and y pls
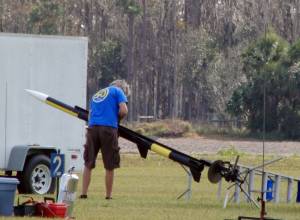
(188, 192)
(249, 197)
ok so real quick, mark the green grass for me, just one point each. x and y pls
(147, 189)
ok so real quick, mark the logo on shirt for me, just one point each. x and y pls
(101, 95)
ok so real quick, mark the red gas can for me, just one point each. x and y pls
(52, 210)
(56, 210)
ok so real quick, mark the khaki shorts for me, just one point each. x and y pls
(106, 139)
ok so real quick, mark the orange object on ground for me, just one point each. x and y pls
(52, 210)
(56, 210)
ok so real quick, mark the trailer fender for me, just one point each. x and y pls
(18, 155)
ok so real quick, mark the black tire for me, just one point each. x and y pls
(36, 176)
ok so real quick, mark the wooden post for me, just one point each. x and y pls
(237, 192)
(277, 188)
(289, 190)
(251, 184)
(298, 192)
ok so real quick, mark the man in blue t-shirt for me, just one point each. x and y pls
(107, 108)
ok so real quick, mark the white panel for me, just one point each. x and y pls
(2, 124)
(73, 158)
(53, 65)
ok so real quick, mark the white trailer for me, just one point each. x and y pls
(29, 130)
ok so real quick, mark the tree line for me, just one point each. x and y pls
(271, 93)
(183, 58)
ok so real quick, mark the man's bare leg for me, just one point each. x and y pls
(109, 180)
(86, 179)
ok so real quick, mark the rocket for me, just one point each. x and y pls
(217, 170)
(74, 111)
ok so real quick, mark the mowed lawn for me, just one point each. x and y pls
(148, 189)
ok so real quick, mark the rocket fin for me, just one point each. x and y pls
(143, 151)
(196, 174)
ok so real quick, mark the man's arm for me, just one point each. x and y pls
(123, 110)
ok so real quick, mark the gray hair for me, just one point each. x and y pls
(121, 83)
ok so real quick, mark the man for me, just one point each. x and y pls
(107, 108)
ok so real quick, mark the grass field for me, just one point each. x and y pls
(147, 189)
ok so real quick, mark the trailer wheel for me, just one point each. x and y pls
(36, 177)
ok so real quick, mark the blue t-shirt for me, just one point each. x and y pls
(104, 106)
